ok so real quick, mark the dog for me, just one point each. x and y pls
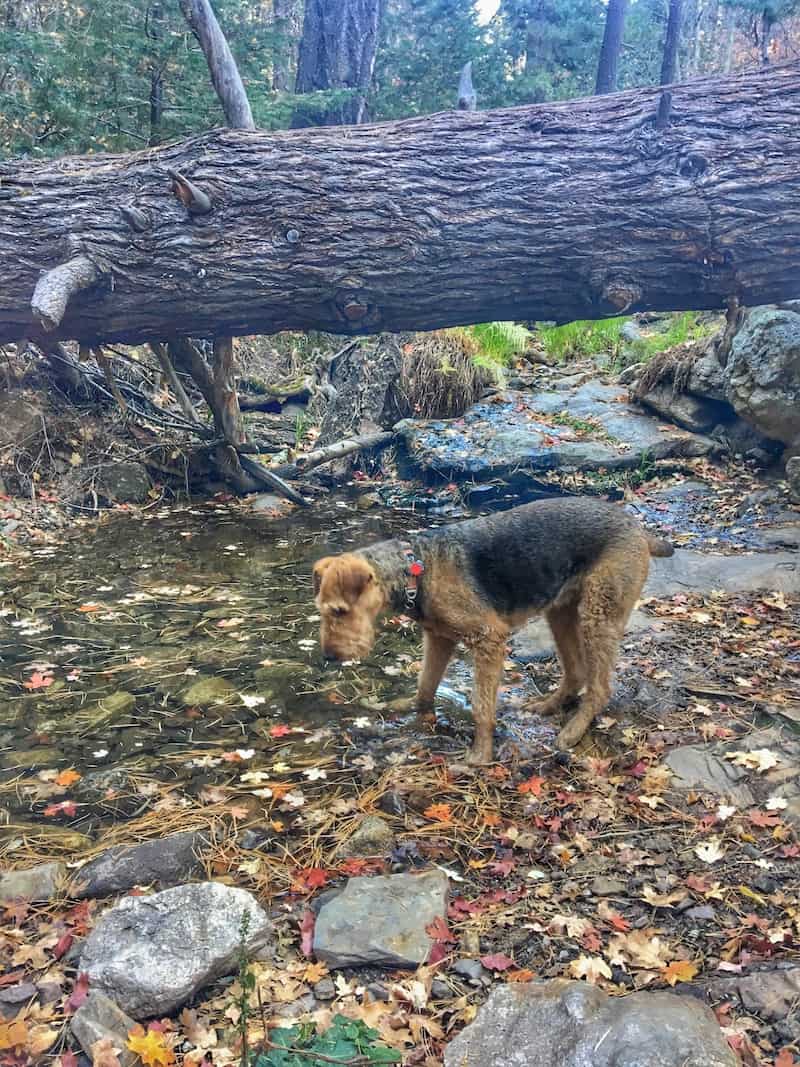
(580, 562)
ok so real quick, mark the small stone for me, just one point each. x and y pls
(13, 997)
(471, 969)
(123, 483)
(372, 837)
(107, 710)
(603, 886)
(573, 1024)
(700, 767)
(440, 990)
(36, 884)
(151, 954)
(324, 989)
(381, 920)
(99, 1017)
(164, 861)
(770, 994)
(209, 691)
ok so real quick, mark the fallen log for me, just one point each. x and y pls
(579, 209)
(370, 442)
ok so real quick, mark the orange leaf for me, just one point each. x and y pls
(439, 813)
(86, 608)
(13, 1034)
(678, 971)
(67, 778)
(533, 786)
(520, 975)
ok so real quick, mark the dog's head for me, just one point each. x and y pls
(350, 599)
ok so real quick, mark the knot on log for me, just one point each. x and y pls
(193, 198)
(621, 295)
(56, 287)
(692, 165)
(137, 220)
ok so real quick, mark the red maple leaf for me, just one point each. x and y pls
(497, 962)
(63, 945)
(503, 867)
(38, 681)
(64, 807)
(80, 991)
(438, 930)
(80, 917)
(533, 786)
(311, 878)
(281, 730)
(763, 818)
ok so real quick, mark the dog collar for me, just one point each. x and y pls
(415, 568)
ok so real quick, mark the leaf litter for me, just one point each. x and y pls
(598, 869)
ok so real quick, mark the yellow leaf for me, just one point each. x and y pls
(13, 1034)
(150, 1048)
(678, 971)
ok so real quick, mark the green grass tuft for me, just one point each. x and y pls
(583, 338)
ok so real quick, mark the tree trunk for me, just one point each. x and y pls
(672, 42)
(221, 64)
(283, 23)
(562, 211)
(611, 47)
(337, 51)
(155, 31)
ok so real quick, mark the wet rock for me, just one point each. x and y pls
(36, 884)
(106, 711)
(793, 478)
(372, 837)
(110, 789)
(151, 954)
(771, 995)
(470, 969)
(123, 483)
(744, 440)
(704, 768)
(214, 690)
(513, 432)
(692, 412)
(268, 502)
(99, 1017)
(381, 920)
(762, 374)
(707, 377)
(164, 861)
(32, 757)
(573, 1024)
(628, 375)
(12, 998)
(45, 836)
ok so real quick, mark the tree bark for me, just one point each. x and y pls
(672, 42)
(579, 209)
(221, 64)
(611, 47)
(337, 51)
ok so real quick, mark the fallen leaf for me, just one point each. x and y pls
(439, 813)
(591, 968)
(67, 778)
(151, 1049)
(497, 962)
(710, 851)
(678, 971)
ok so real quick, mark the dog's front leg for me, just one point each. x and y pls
(489, 656)
(436, 654)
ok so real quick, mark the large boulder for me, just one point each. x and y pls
(123, 483)
(151, 954)
(762, 375)
(573, 1024)
(381, 921)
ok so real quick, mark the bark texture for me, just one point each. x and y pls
(611, 47)
(337, 51)
(560, 211)
(672, 42)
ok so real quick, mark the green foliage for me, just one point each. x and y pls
(683, 327)
(583, 338)
(500, 342)
(344, 1041)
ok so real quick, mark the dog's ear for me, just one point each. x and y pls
(354, 580)
(319, 569)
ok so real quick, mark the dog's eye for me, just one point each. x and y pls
(339, 611)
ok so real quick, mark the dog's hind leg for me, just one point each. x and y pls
(436, 654)
(489, 657)
(565, 627)
(609, 595)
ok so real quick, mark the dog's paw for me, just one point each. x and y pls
(545, 708)
(572, 733)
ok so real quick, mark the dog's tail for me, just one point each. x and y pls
(658, 547)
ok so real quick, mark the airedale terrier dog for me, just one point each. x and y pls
(580, 562)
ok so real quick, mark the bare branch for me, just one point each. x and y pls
(56, 287)
(221, 64)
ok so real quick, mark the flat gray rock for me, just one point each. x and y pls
(151, 954)
(165, 861)
(381, 920)
(540, 432)
(704, 767)
(695, 413)
(99, 1017)
(36, 884)
(573, 1024)
(771, 995)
